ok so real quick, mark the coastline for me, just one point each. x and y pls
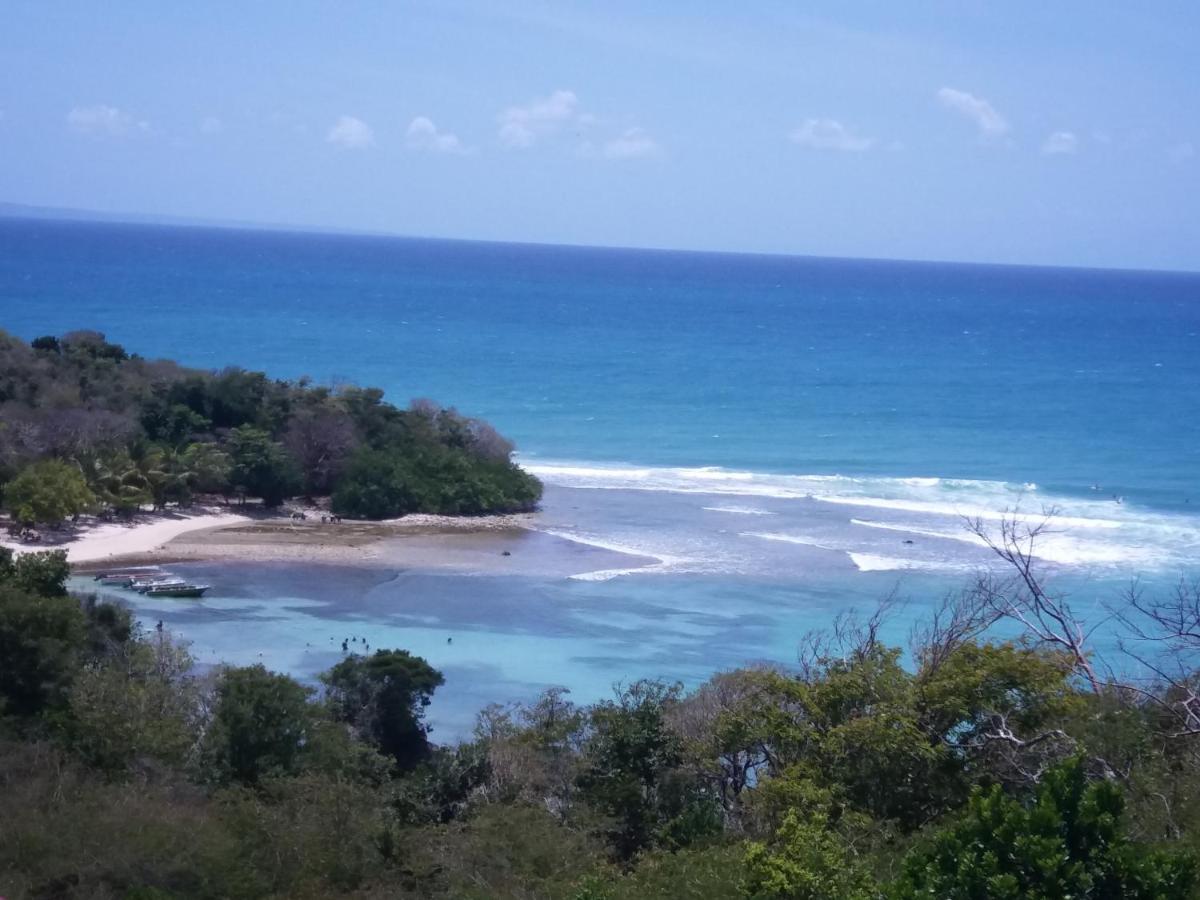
(483, 545)
(93, 542)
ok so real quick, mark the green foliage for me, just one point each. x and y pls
(47, 492)
(632, 774)
(138, 705)
(259, 728)
(958, 698)
(173, 424)
(260, 466)
(503, 851)
(1068, 842)
(43, 574)
(442, 788)
(209, 467)
(859, 720)
(708, 873)
(850, 727)
(117, 481)
(849, 778)
(806, 860)
(41, 644)
(384, 697)
(152, 432)
(388, 483)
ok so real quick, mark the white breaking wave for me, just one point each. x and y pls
(872, 562)
(865, 562)
(740, 510)
(1084, 531)
(661, 562)
(802, 540)
(828, 488)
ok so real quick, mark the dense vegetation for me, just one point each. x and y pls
(982, 769)
(85, 426)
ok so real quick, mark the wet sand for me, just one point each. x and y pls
(487, 545)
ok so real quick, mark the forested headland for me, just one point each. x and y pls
(86, 426)
(975, 768)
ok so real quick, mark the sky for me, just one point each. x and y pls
(1064, 133)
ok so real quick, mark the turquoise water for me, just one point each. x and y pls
(773, 430)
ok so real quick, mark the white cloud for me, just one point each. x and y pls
(1060, 142)
(634, 143)
(1181, 152)
(989, 122)
(351, 133)
(422, 134)
(829, 134)
(211, 125)
(522, 126)
(104, 121)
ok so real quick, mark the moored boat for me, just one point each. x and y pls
(143, 586)
(125, 578)
(176, 590)
(116, 579)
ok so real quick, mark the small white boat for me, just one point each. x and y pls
(143, 586)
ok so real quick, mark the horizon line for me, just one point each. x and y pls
(35, 212)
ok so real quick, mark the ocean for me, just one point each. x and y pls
(788, 437)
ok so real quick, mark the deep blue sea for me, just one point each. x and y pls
(772, 429)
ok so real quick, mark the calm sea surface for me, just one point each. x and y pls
(772, 429)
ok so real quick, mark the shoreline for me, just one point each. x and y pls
(485, 545)
(93, 542)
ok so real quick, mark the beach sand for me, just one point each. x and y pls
(485, 545)
(95, 541)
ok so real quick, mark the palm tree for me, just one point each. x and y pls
(116, 480)
(167, 475)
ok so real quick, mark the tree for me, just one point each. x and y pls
(1026, 598)
(381, 484)
(321, 440)
(140, 704)
(720, 744)
(383, 697)
(47, 491)
(42, 574)
(117, 482)
(48, 343)
(1067, 842)
(261, 467)
(805, 860)
(847, 724)
(210, 467)
(172, 423)
(40, 643)
(260, 726)
(632, 766)
(167, 476)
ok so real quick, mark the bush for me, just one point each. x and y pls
(383, 697)
(1068, 842)
(380, 484)
(260, 727)
(47, 492)
(41, 643)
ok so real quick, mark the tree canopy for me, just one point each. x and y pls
(85, 425)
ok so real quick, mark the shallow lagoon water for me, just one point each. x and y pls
(721, 598)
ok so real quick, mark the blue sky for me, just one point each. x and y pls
(1065, 132)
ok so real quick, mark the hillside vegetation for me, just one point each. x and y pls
(87, 426)
(984, 770)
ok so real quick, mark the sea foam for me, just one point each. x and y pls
(1080, 531)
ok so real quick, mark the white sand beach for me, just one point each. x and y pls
(94, 541)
